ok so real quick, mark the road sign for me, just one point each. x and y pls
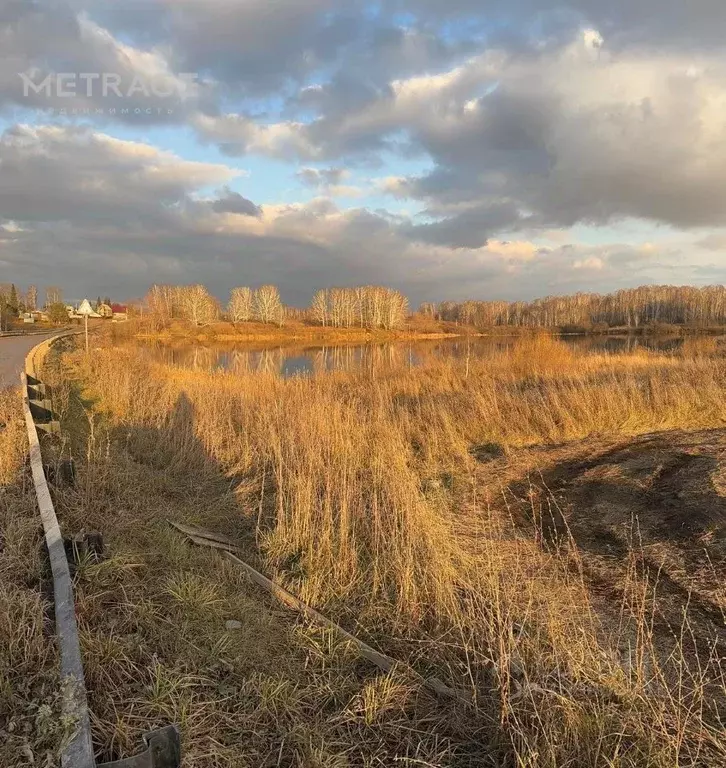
(86, 309)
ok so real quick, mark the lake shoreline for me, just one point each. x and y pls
(310, 354)
(291, 335)
(299, 339)
(300, 334)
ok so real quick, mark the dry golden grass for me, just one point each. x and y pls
(31, 729)
(13, 440)
(361, 494)
(155, 642)
(293, 332)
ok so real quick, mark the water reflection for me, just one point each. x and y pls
(310, 360)
(625, 343)
(291, 361)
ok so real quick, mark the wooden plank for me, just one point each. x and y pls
(201, 533)
(212, 543)
(386, 663)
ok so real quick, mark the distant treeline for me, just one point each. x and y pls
(377, 307)
(631, 308)
(363, 307)
(17, 300)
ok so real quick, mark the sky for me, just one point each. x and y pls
(452, 149)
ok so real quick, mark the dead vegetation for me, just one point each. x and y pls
(416, 509)
(31, 729)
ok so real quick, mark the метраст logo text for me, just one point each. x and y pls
(106, 84)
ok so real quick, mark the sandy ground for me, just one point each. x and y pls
(13, 350)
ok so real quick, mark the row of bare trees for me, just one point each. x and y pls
(196, 305)
(631, 308)
(263, 305)
(367, 306)
(182, 302)
(379, 307)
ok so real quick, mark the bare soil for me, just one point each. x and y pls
(655, 502)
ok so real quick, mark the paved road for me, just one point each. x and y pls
(13, 350)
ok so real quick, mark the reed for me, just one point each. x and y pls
(31, 728)
(362, 493)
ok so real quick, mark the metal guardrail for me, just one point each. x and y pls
(78, 753)
(163, 746)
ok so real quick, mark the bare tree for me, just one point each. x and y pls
(198, 305)
(364, 306)
(348, 307)
(319, 307)
(31, 298)
(360, 305)
(633, 308)
(5, 312)
(240, 308)
(162, 304)
(335, 302)
(53, 295)
(375, 300)
(162, 300)
(395, 309)
(268, 305)
(428, 309)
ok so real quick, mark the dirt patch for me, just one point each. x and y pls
(653, 505)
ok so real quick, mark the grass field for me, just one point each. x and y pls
(31, 729)
(495, 523)
(293, 331)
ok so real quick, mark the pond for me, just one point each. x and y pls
(290, 361)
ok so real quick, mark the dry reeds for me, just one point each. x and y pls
(31, 727)
(360, 493)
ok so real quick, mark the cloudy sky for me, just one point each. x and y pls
(449, 148)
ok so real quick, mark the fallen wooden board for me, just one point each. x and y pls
(206, 536)
(212, 543)
(386, 663)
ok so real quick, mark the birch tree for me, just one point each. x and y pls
(240, 308)
(319, 307)
(268, 305)
(198, 305)
(163, 304)
(53, 295)
(31, 298)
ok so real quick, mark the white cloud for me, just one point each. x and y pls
(617, 112)
(592, 262)
(514, 250)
